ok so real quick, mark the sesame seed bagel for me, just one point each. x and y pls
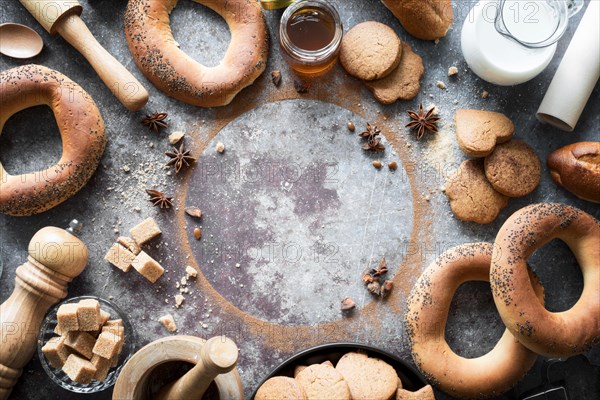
(81, 130)
(560, 334)
(428, 306)
(151, 42)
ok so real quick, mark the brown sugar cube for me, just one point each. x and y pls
(114, 322)
(81, 342)
(79, 369)
(67, 318)
(104, 318)
(88, 315)
(107, 345)
(102, 365)
(145, 231)
(56, 352)
(120, 257)
(168, 322)
(148, 267)
(129, 244)
(114, 361)
(116, 330)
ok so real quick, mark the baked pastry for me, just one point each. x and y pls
(479, 131)
(368, 378)
(280, 388)
(403, 83)
(560, 334)
(489, 375)
(157, 55)
(81, 130)
(425, 393)
(472, 197)
(513, 168)
(370, 50)
(576, 167)
(323, 382)
(423, 19)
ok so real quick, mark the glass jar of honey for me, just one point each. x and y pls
(310, 34)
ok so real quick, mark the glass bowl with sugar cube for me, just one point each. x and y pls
(84, 342)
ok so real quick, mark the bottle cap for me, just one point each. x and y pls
(275, 4)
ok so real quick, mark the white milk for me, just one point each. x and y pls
(498, 59)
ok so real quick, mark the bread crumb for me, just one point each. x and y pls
(183, 280)
(220, 147)
(190, 272)
(168, 322)
(179, 300)
(441, 85)
(126, 168)
(175, 137)
(485, 94)
(452, 71)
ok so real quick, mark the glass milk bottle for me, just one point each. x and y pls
(509, 42)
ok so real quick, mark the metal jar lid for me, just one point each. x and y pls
(275, 4)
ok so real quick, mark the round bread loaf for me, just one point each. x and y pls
(428, 304)
(576, 167)
(560, 334)
(81, 130)
(156, 53)
(423, 19)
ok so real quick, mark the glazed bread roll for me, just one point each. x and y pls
(151, 42)
(576, 167)
(81, 130)
(423, 19)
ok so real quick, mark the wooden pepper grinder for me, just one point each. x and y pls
(62, 17)
(56, 256)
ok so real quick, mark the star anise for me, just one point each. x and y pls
(155, 121)
(371, 133)
(381, 268)
(160, 199)
(374, 144)
(422, 121)
(179, 157)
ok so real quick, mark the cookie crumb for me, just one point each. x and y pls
(168, 322)
(190, 272)
(126, 168)
(220, 147)
(440, 85)
(179, 300)
(175, 137)
(452, 71)
(485, 94)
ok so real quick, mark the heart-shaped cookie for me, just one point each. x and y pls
(479, 131)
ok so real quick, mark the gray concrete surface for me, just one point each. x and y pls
(293, 200)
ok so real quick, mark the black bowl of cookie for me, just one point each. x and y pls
(344, 371)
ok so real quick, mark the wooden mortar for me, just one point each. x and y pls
(211, 359)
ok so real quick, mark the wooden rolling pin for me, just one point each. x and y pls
(55, 258)
(218, 356)
(62, 17)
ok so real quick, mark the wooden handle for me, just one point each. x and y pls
(55, 258)
(119, 80)
(218, 356)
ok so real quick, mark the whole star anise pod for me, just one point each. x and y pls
(371, 133)
(422, 121)
(155, 121)
(160, 199)
(179, 157)
(374, 144)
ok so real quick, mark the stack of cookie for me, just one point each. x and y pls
(372, 52)
(356, 376)
(480, 188)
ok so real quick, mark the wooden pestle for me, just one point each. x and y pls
(62, 17)
(55, 258)
(218, 356)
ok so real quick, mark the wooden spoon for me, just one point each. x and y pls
(19, 41)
